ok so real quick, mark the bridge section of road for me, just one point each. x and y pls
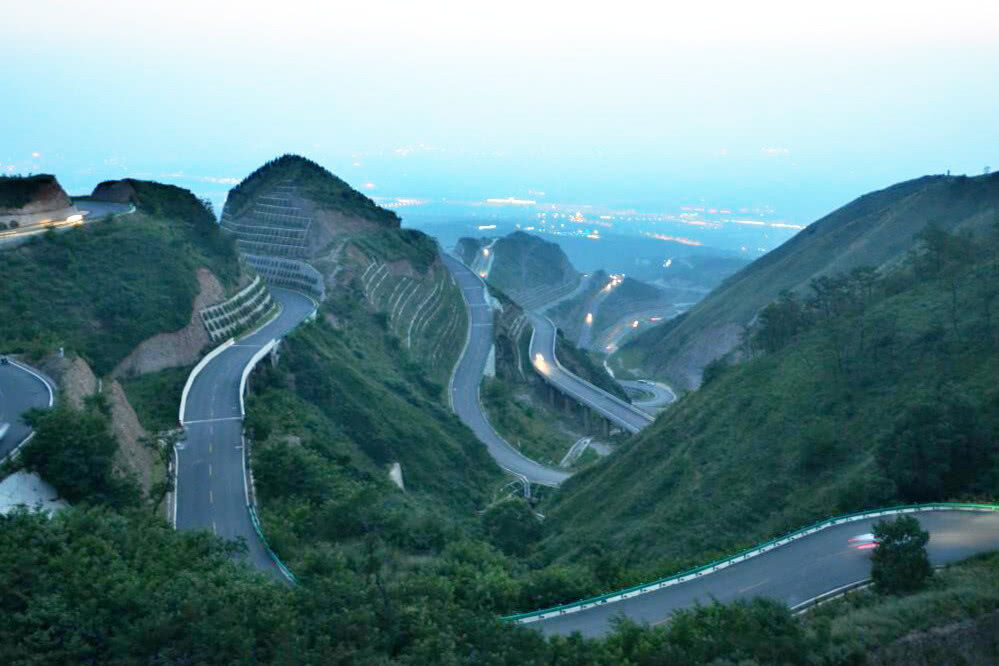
(545, 360)
(212, 490)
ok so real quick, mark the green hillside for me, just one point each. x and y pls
(102, 288)
(524, 264)
(315, 182)
(875, 230)
(864, 392)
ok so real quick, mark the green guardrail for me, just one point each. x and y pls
(260, 533)
(755, 550)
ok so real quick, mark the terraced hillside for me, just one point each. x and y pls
(302, 227)
(875, 230)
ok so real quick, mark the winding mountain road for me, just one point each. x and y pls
(21, 388)
(662, 395)
(464, 386)
(793, 573)
(546, 363)
(211, 491)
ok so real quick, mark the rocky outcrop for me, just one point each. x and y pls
(116, 191)
(179, 348)
(75, 378)
(133, 456)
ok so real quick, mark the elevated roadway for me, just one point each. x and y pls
(622, 413)
(794, 573)
(463, 389)
(212, 488)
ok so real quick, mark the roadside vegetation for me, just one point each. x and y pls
(92, 585)
(74, 450)
(103, 288)
(155, 396)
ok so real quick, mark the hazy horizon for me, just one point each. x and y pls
(780, 106)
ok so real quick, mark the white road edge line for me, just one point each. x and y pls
(194, 373)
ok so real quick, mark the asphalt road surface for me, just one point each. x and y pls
(19, 392)
(662, 395)
(211, 492)
(620, 412)
(468, 376)
(794, 573)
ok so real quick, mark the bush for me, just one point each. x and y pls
(74, 451)
(900, 563)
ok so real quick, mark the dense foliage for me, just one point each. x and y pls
(92, 586)
(872, 390)
(900, 563)
(103, 288)
(74, 451)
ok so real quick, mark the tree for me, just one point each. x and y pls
(936, 449)
(74, 451)
(900, 563)
(511, 526)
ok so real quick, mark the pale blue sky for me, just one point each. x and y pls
(738, 104)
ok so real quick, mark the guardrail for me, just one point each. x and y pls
(13, 453)
(248, 368)
(692, 574)
(285, 571)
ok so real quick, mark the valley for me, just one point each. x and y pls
(340, 435)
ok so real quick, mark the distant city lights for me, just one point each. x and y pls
(674, 239)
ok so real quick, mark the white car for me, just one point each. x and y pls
(4, 427)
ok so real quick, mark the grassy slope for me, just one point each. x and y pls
(873, 230)
(623, 300)
(811, 414)
(356, 401)
(155, 396)
(103, 288)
